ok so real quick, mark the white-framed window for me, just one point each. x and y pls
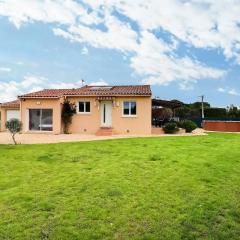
(84, 107)
(129, 108)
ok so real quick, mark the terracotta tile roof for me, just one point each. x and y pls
(12, 104)
(46, 93)
(131, 90)
(141, 90)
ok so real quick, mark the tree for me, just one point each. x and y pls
(198, 105)
(166, 113)
(14, 126)
(233, 112)
(68, 110)
(216, 112)
(182, 112)
(187, 113)
(162, 113)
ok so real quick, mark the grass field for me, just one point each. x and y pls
(147, 188)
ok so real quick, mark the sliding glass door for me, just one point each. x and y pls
(34, 119)
(41, 119)
(47, 120)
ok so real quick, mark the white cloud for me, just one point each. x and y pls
(101, 82)
(201, 23)
(5, 69)
(233, 92)
(78, 84)
(118, 36)
(50, 11)
(198, 23)
(222, 90)
(29, 81)
(230, 91)
(155, 61)
(61, 33)
(64, 85)
(84, 51)
(10, 90)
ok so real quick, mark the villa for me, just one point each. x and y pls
(101, 110)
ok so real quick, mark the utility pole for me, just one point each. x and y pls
(202, 99)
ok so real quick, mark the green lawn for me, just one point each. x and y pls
(146, 188)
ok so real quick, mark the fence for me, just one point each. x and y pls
(222, 124)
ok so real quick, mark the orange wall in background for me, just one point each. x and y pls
(221, 126)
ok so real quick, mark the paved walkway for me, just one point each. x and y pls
(5, 137)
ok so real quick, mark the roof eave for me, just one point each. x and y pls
(12, 107)
(38, 97)
(106, 95)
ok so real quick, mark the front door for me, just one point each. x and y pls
(106, 114)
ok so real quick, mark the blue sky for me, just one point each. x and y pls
(182, 48)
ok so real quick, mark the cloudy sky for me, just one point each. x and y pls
(182, 48)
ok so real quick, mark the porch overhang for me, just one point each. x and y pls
(106, 98)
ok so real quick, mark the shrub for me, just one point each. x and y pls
(68, 110)
(180, 124)
(170, 127)
(188, 125)
(14, 126)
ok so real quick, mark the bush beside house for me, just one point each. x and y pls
(188, 125)
(170, 128)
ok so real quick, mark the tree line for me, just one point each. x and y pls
(193, 110)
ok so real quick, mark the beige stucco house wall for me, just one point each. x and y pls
(103, 102)
(54, 104)
(89, 123)
(3, 118)
(139, 124)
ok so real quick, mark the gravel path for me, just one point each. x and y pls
(32, 138)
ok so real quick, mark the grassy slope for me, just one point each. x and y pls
(153, 188)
